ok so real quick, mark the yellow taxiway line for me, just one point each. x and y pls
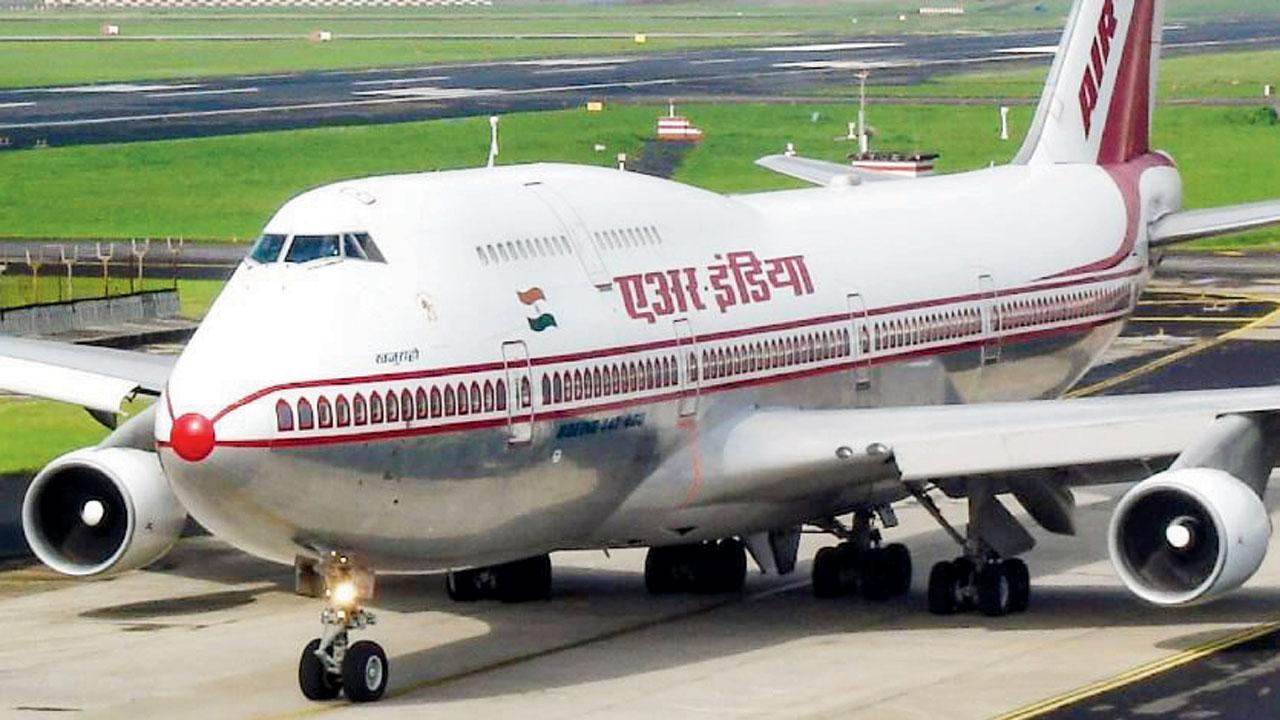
(1166, 360)
(1142, 672)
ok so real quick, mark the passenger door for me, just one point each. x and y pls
(519, 376)
(990, 320)
(687, 362)
(861, 341)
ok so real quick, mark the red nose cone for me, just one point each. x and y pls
(192, 437)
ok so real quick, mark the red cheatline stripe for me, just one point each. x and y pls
(664, 344)
(572, 412)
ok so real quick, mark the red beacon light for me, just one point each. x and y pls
(192, 437)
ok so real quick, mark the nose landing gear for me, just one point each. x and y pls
(330, 665)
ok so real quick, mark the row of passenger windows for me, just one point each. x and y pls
(304, 248)
(1069, 306)
(663, 372)
(559, 245)
(631, 237)
(448, 401)
(525, 249)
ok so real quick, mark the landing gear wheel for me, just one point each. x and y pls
(364, 672)
(898, 558)
(524, 580)
(966, 578)
(826, 574)
(876, 575)
(463, 585)
(315, 681)
(994, 591)
(1019, 585)
(718, 567)
(944, 589)
(659, 571)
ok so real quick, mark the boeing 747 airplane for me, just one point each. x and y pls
(467, 371)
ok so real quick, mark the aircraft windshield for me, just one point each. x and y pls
(268, 248)
(305, 248)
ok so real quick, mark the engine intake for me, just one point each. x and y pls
(1188, 535)
(101, 511)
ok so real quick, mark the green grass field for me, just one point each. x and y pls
(26, 64)
(1217, 75)
(227, 187)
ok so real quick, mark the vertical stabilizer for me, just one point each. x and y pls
(1096, 107)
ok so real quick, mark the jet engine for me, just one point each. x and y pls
(101, 510)
(1188, 535)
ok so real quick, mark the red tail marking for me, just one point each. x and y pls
(1099, 53)
(1127, 134)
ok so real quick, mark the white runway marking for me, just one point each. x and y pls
(715, 61)
(396, 81)
(842, 64)
(427, 93)
(573, 62)
(828, 47)
(1033, 50)
(15, 105)
(562, 71)
(117, 88)
(195, 93)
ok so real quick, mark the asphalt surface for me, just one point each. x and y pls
(118, 112)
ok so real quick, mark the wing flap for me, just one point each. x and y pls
(787, 454)
(92, 377)
(1193, 224)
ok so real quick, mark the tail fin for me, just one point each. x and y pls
(1096, 107)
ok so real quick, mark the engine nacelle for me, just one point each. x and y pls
(101, 511)
(1188, 535)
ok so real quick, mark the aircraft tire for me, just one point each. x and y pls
(364, 672)
(826, 574)
(944, 584)
(876, 575)
(966, 576)
(463, 585)
(659, 571)
(314, 680)
(524, 580)
(994, 591)
(1019, 585)
(899, 561)
(732, 562)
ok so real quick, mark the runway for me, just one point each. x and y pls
(210, 632)
(121, 112)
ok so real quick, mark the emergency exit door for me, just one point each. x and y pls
(519, 376)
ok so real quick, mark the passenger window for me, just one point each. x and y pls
(306, 248)
(267, 248)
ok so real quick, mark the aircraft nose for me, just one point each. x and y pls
(192, 437)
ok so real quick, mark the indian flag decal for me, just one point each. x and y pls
(532, 297)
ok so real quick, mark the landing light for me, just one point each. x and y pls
(344, 594)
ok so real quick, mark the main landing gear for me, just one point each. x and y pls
(708, 568)
(860, 564)
(513, 582)
(980, 579)
(330, 665)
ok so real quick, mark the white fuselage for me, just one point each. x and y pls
(565, 346)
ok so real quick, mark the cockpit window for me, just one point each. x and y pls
(267, 249)
(360, 245)
(306, 248)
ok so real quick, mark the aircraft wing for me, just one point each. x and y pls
(777, 454)
(1192, 224)
(96, 378)
(819, 172)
